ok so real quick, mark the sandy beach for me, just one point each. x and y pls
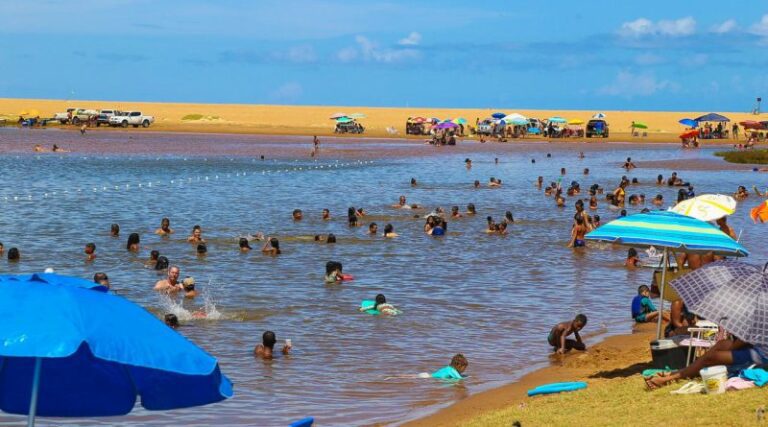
(663, 126)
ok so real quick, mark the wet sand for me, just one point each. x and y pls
(615, 357)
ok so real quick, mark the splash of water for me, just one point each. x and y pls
(176, 305)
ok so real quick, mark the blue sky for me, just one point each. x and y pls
(558, 54)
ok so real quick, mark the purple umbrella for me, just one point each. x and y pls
(446, 125)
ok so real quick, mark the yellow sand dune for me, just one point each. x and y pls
(311, 120)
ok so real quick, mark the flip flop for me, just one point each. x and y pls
(691, 387)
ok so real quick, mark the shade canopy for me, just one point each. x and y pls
(707, 207)
(337, 115)
(689, 122)
(576, 122)
(344, 120)
(712, 117)
(730, 293)
(664, 229)
(557, 119)
(97, 353)
(498, 115)
(639, 125)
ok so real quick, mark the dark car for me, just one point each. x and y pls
(597, 128)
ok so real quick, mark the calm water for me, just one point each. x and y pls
(492, 298)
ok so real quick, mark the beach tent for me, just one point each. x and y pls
(94, 353)
(712, 117)
(599, 116)
(335, 116)
(689, 122)
(557, 119)
(670, 231)
(344, 120)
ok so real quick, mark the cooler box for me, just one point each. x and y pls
(666, 353)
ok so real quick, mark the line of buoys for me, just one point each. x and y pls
(119, 188)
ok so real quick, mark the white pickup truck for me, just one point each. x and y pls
(75, 116)
(133, 118)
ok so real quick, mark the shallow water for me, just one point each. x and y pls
(492, 298)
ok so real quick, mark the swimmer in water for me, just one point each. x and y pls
(559, 201)
(632, 260)
(593, 203)
(548, 191)
(429, 223)
(596, 221)
(476, 184)
(331, 238)
(471, 209)
(297, 215)
(741, 193)
(501, 228)
(493, 182)
(439, 229)
(162, 264)
(196, 236)
(361, 213)
(468, 163)
(389, 231)
(202, 250)
(508, 218)
(133, 242)
(102, 279)
(490, 225)
(90, 251)
(562, 171)
(152, 261)
(14, 255)
(577, 234)
(114, 230)
(455, 212)
(380, 304)
(333, 272)
(171, 320)
(170, 285)
(272, 247)
(401, 203)
(188, 284)
(660, 180)
(352, 217)
(581, 154)
(453, 371)
(165, 228)
(658, 200)
(540, 182)
(413, 182)
(373, 229)
(244, 246)
(326, 216)
(265, 350)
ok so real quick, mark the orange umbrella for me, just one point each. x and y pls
(689, 134)
(760, 212)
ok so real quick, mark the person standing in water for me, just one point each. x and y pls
(265, 350)
(165, 228)
(170, 285)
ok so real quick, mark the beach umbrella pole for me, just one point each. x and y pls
(665, 263)
(35, 389)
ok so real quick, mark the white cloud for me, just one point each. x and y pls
(299, 55)
(760, 28)
(724, 27)
(629, 85)
(368, 50)
(644, 27)
(412, 40)
(288, 92)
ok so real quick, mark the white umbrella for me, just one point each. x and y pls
(509, 118)
(707, 207)
(599, 116)
(335, 116)
(357, 115)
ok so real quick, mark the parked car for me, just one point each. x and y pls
(75, 116)
(104, 115)
(597, 127)
(133, 118)
(349, 127)
(490, 127)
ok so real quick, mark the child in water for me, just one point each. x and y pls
(632, 259)
(380, 304)
(333, 272)
(453, 371)
(577, 234)
(557, 336)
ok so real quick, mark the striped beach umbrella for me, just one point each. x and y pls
(707, 207)
(667, 230)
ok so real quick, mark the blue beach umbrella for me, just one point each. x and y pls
(668, 230)
(689, 122)
(68, 349)
(498, 115)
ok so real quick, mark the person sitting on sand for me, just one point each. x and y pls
(170, 285)
(271, 247)
(380, 304)
(188, 284)
(244, 246)
(632, 260)
(557, 336)
(577, 234)
(643, 310)
(90, 251)
(265, 349)
(165, 228)
(171, 320)
(736, 353)
(741, 193)
(196, 236)
(453, 371)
